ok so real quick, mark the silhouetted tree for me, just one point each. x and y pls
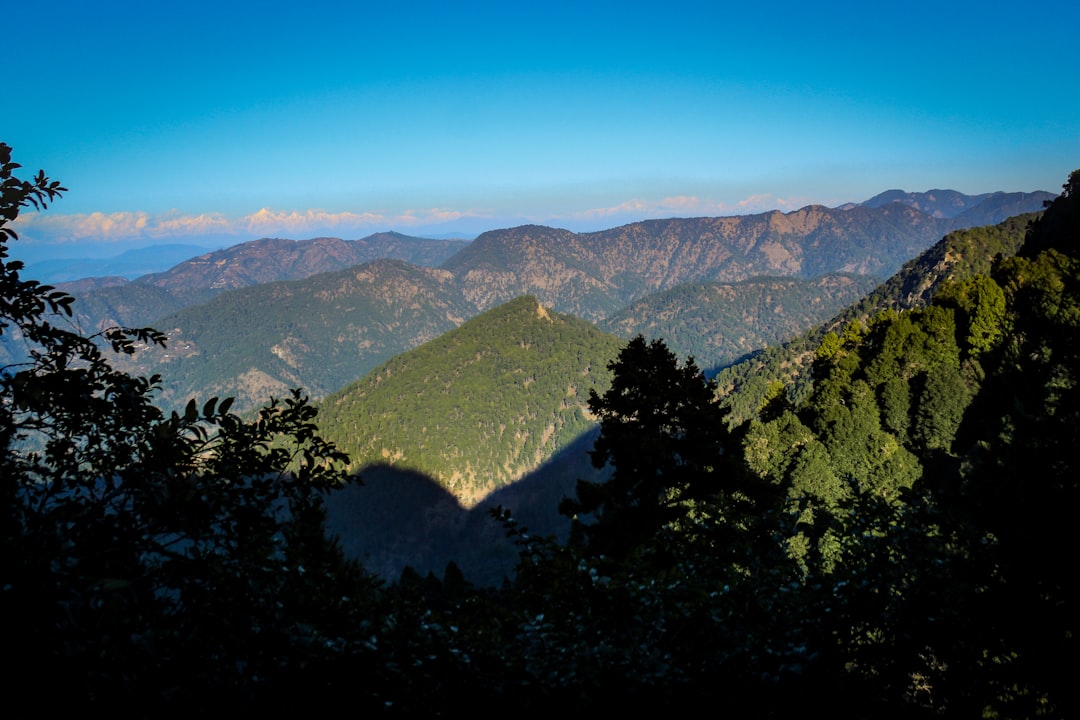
(663, 433)
(148, 557)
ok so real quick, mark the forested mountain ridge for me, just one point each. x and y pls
(594, 274)
(313, 332)
(151, 298)
(273, 259)
(946, 433)
(480, 406)
(719, 323)
(319, 333)
(590, 275)
(956, 257)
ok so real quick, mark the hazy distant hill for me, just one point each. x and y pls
(718, 323)
(319, 333)
(131, 304)
(984, 209)
(130, 264)
(200, 278)
(273, 259)
(592, 274)
(482, 405)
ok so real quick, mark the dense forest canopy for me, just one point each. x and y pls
(892, 542)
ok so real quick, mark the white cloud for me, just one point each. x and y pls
(71, 228)
(686, 205)
(292, 221)
(123, 227)
(767, 201)
(119, 227)
(178, 225)
(434, 216)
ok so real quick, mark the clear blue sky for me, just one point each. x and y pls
(194, 121)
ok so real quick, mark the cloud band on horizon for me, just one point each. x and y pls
(54, 228)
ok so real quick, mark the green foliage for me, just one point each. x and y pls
(959, 256)
(982, 304)
(953, 429)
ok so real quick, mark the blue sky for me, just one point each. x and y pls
(219, 122)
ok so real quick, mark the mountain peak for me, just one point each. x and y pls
(948, 204)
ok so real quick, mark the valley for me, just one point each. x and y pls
(465, 363)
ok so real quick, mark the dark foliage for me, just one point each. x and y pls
(149, 559)
(663, 432)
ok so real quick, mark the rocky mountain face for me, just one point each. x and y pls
(588, 274)
(593, 274)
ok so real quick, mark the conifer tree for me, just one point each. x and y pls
(663, 434)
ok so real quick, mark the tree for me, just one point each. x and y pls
(147, 556)
(664, 435)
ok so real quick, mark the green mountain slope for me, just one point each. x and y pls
(932, 457)
(718, 323)
(259, 342)
(957, 256)
(479, 407)
(318, 334)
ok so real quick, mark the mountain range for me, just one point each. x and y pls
(430, 521)
(240, 329)
(973, 210)
(464, 367)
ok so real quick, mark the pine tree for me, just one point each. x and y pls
(663, 434)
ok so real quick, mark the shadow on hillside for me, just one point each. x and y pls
(713, 370)
(401, 518)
